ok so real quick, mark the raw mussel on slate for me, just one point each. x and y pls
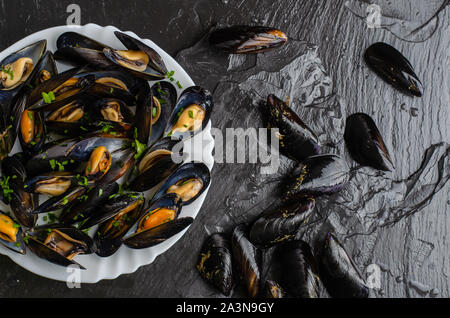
(365, 144)
(215, 262)
(338, 271)
(247, 39)
(247, 259)
(394, 68)
(296, 140)
(158, 223)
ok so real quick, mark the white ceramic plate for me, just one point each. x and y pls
(125, 260)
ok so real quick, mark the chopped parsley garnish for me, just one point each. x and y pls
(191, 114)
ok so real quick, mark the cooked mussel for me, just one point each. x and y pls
(98, 164)
(139, 59)
(164, 100)
(158, 223)
(117, 216)
(247, 259)
(156, 165)
(45, 70)
(365, 144)
(247, 39)
(215, 262)
(188, 181)
(52, 184)
(318, 175)
(273, 290)
(32, 131)
(298, 269)
(297, 141)
(62, 200)
(82, 149)
(282, 224)
(11, 234)
(14, 192)
(191, 114)
(393, 67)
(114, 110)
(339, 273)
(86, 205)
(59, 244)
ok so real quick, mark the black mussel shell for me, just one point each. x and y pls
(11, 234)
(156, 165)
(191, 113)
(143, 115)
(115, 222)
(339, 273)
(394, 68)
(297, 141)
(247, 259)
(60, 201)
(32, 131)
(282, 224)
(273, 290)
(114, 110)
(52, 184)
(45, 70)
(159, 233)
(180, 181)
(166, 99)
(21, 202)
(318, 175)
(154, 70)
(82, 208)
(215, 263)
(122, 162)
(298, 269)
(82, 149)
(365, 144)
(247, 39)
(80, 243)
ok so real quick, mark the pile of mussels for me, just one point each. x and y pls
(110, 123)
(302, 272)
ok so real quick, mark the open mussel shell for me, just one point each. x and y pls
(122, 162)
(318, 175)
(45, 70)
(60, 201)
(191, 114)
(85, 205)
(21, 202)
(297, 140)
(339, 273)
(298, 269)
(188, 181)
(139, 59)
(215, 263)
(79, 50)
(247, 39)
(158, 223)
(11, 234)
(59, 244)
(282, 224)
(156, 165)
(51, 184)
(273, 290)
(118, 217)
(164, 101)
(365, 144)
(32, 131)
(114, 110)
(393, 67)
(82, 149)
(17, 68)
(247, 259)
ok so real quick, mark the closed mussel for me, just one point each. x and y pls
(365, 144)
(298, 269)
(318, 175)
(11, 234)
(156, 165)
(247, 39)
(191, 114)
(339, 273)
(282, 224)
(297, 141)
(188, 181)
(215, 262)
(247, 259)
(59, 244)
(158, 223)
(394, 68)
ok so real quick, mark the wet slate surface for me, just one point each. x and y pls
(397, 220)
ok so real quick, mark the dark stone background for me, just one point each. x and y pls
(401, 220)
